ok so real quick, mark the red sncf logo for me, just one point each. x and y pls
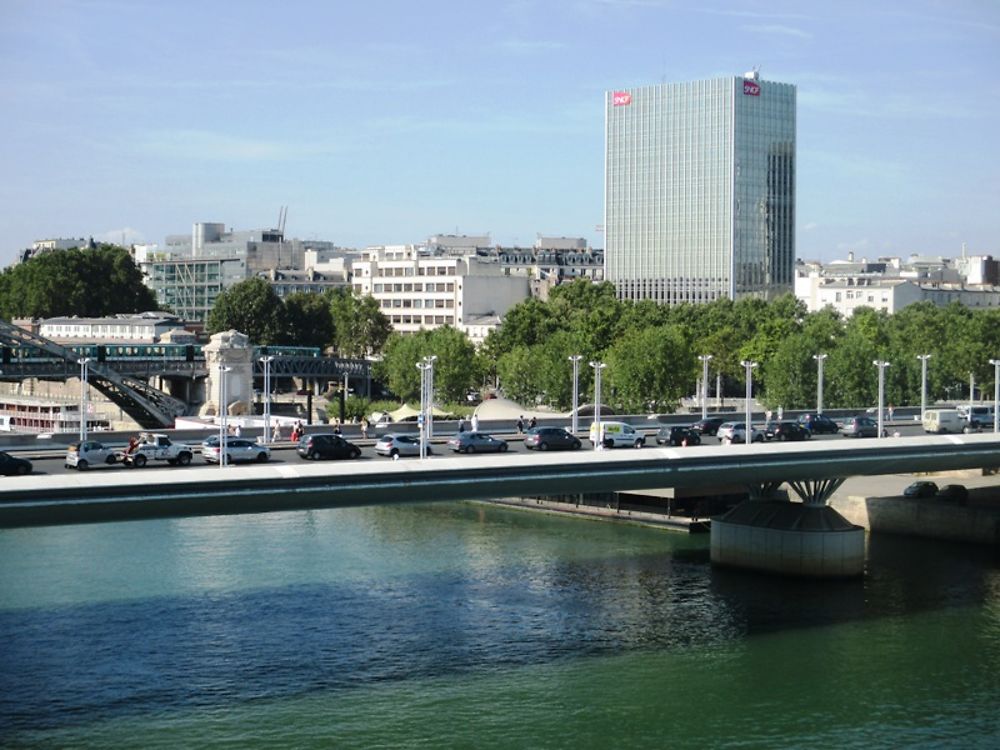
(621, 98)
(751, 89)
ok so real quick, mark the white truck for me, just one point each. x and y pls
(155, 446)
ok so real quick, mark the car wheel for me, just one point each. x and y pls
(81, 465)
(503, 448)
(312, 455)
(22, 470)
(543, 446)
(577, 445)
(471, 449)
(356, 453)
(139, 461)
(112, 459)
(638, 443)
(261, 457)
(184, 459)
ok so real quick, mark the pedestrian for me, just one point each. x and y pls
(336, 428)
(890, 412)
(238, 431)
(364, 428)
(461, 424)
(475, 423)
(520, 425)
(781, 413)
(276, 432)
(533, 423)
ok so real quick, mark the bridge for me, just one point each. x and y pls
(125, 380)
(814, 467)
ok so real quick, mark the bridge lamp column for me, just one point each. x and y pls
(598, 366)
(820, 358)
(996, 394)
(923, 384)
(267, 398)
(705, 359)
(84, 369)
(575, 359)
(749, 366)
(881, 364)
(223, 427)
(429, 360)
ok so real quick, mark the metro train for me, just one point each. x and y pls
(164, 352)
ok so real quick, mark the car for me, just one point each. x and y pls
(476, 442)
(394, 444)
(860, 427)
(956, 493)
(326, 445)
(81, 456)
(708, 426)
(551, 438)
(735, 432)
(14, 466)
(921, 489)
(678, 435)
(237, 450)
(819, 424)
(788, 431)
(617, 435)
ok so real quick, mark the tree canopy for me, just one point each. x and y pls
(82, 282)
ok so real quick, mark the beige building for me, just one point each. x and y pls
(418, 289)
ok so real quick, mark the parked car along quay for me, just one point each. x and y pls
(678, 435)
(708, 426)
(819, 424)
(326, 445)
(617, 435)
(238, 450)
(81, 456)
(860, 427)
(394, 444)
(551, 438)
(736, 432)
(12, 466)
(476, 442)
(781, 431)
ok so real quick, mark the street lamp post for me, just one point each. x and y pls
(749, 366)
(972, 393)
(819, 382)
(267, 399)
(426, 367)
(881, 364)
(575, 359)
(996, 394)
(705, 358)
(598, 366)
(223, 428)
(83, 362)
(923, 384)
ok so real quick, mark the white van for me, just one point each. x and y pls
(943, 420)
(617, 435)
(977, 417)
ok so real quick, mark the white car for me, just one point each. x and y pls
(81, 456)
(395, 444)
(736, 432)
(237, 450)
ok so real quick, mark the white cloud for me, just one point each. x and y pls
(778, 29)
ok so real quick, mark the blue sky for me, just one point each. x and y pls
(385, 122)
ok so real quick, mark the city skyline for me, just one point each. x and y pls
(376, 125)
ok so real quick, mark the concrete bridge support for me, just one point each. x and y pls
(232, 350)
(806, 538)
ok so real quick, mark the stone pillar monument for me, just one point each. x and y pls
(230, 349)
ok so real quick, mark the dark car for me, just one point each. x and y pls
(476, 442)
(677, 436)
(860, 427)
(787, 431)
(326, 445)
(921, 489)
(708, 426)
(956, 493)
(551, 438)
(820, 424)
(13, 466)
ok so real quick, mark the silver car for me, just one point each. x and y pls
(81, 456)
(476, 442)
(237, 450)
(395, 444)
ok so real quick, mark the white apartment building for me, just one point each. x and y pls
(144, 328)
(417, 289)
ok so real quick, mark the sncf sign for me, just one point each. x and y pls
(751, 88)
(621, 98)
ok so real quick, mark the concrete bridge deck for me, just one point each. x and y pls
(105, 496)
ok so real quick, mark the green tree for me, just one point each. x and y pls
(649, 365)
(360, 328)
(456, 369)
(88, 283)
(250, 307)
(308, 321)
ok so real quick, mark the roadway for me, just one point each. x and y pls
(51, 461)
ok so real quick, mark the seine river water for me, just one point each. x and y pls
(473, 626)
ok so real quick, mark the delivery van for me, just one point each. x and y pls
(939, 421)
(617, 435)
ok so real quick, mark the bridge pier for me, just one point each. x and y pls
(229, 349)
(806, 538)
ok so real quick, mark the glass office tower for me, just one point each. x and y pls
(699, 192)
